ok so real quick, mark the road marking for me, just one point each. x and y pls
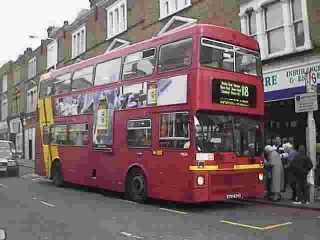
(4, 186)
(173, 211)
(277, 225)
(47, 204)
(242, 225)
(257, 227)
(128, 201)
(36, 179)
(131, 235)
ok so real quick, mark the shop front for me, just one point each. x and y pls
(280, 87)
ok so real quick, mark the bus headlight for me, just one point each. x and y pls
(260, 176)
(200, 180)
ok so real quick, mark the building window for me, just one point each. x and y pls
(79, 41)
(274, 27)
(139, 133)
(31, 99)
(117, 18)
(252, 25)
(169, 7)
(32, 67)
(4, 83)
(4, 108)
(52, 54)
(297, 21)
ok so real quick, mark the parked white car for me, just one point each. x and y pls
(8, 159)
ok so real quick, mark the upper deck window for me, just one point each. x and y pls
(175, 55)
(82, 79)
(108, 72)
(229, 57)
(59, 85)
(139, 64)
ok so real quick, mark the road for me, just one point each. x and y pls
(31, 208)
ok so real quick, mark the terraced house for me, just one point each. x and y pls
(104, 26)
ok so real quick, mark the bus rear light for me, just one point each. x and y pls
(204, 156)
(260, 176)
(200, 180)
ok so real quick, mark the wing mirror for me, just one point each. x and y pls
(3, 235)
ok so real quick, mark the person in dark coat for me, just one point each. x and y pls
(291, 180)
(300, 167)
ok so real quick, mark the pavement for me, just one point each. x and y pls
(285, 201)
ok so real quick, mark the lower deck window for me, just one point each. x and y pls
(174, 130)
(139, 133)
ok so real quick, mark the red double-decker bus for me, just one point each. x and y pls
(176, 117)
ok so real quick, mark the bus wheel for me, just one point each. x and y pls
(57, 177)
(136, 188)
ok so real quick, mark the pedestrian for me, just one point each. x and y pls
(289, 174)
(267, 172)
(301, 165)
(277, 172)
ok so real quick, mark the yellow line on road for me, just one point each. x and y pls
(242, 225)
(276, 225)
(256, 227)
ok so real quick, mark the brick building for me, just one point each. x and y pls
(289, 37)
(104, 26)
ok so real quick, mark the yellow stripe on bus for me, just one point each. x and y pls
(216, 167)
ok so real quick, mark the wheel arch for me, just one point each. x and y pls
(53, 164)
(131, 168)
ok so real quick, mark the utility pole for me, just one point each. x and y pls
(311, 87)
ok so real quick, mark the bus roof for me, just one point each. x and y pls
(211, 31)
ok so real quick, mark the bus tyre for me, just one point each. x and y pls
(136, 187)
(57, 177)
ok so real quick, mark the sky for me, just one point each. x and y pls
(19, 19)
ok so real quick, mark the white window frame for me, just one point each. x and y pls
(124, 43)
(170, 7)
(117, 18)
(79, 39)
(188, 21)
(32, 67)
(4, 83)
(290, 46)
(4, 108)
(52, 54)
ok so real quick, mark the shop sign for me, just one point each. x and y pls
(292, 77)
(306, 102)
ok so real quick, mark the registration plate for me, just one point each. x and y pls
(234, 196)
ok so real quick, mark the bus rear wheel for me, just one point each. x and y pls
(57, 177)
(136, 187)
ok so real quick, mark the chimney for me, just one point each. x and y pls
(49, 30)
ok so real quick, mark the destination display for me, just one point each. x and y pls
(233, 93)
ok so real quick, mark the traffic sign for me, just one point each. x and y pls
(306, 102)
